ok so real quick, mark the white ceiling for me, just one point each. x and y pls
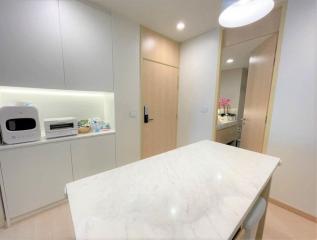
(163, 15)
(240, 53)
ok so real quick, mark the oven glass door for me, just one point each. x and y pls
(20, 124)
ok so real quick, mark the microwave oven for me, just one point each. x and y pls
(19, 124)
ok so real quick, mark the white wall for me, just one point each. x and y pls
(126, 43)
(230, 85)
(293, 131)
(197, 87)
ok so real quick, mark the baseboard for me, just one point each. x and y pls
(33, 213)
(293, 210)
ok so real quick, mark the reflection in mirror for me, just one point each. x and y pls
(245, 83)
(232, 90)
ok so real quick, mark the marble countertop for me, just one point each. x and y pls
(201, 191)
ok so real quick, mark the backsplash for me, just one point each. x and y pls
(63, 103)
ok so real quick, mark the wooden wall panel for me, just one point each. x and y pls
(159, 83)
(158, 48)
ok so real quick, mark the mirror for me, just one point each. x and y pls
(245, 83)
(232, 90)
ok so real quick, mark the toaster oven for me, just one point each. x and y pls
(19, 124)
(60, 127)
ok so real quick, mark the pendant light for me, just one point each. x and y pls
(238, 13)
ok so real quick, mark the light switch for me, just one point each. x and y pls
(204, 109)
(132, 114)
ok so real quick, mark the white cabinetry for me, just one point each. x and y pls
(30, 46)
(55, 44)
(92, 156)
(35, 176)
(87, 46)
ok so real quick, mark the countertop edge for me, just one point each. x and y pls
(43, 140)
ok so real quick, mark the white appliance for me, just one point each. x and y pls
(60, 127)
(19, 124)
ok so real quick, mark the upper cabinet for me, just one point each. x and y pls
(87, 46)
(30, 47)
(55, 44)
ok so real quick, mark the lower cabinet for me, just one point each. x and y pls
(227, 135)
(34, 177)
(93, 155)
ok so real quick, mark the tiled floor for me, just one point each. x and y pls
(56, 224)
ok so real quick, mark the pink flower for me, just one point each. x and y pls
(223, 102)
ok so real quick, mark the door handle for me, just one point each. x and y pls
(146, 115)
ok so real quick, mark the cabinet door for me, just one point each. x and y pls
(30, 44)
(35, 176)
(87, 46)
(93, 155)
(227, 135)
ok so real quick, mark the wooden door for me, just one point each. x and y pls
(160, 96)
(258, 91)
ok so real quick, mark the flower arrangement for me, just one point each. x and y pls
(224, 103)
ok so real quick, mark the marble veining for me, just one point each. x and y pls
(201, 191)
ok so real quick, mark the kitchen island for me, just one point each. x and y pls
(204, 190)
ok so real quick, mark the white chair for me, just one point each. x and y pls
(250, 225)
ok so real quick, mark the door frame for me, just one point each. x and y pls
(273, 84)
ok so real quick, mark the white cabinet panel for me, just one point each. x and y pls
(93, 155)
(35, 176)
(30, 44)
(87, 46)
(126, 61)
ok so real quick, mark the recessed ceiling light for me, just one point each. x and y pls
(244, 12)
(180, 26)
(230, 60)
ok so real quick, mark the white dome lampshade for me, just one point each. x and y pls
(239, 13)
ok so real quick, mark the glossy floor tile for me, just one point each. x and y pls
(56, 224)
